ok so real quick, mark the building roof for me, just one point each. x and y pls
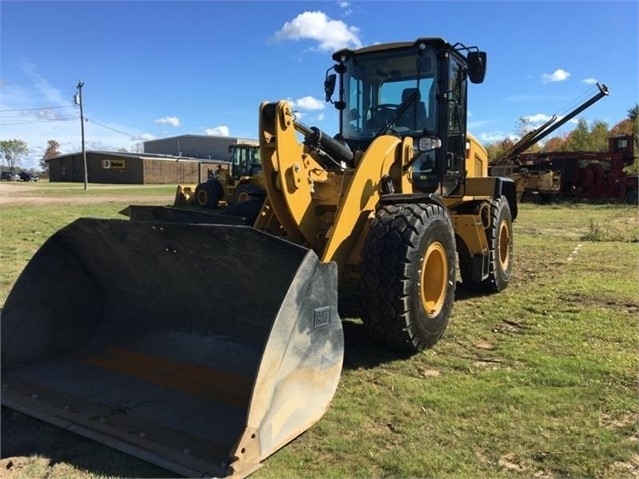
(209, 137)
(153, 156)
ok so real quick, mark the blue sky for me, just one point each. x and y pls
(153, 69)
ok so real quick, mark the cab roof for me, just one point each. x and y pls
(435, 41)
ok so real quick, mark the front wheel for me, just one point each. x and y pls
(407, 273)
(209, 193)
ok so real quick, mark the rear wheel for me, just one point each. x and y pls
(209, 193)
(246, 192)
(407, 275)
(500, 249)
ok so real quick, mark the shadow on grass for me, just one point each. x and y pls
(362, 351)
(462, 293)
(24, 436)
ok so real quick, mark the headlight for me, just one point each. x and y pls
(429, 143)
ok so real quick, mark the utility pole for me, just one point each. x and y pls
(78, 101)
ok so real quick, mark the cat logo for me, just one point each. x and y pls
(113, 164)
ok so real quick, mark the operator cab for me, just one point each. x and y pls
(245, 159)
(415, 89)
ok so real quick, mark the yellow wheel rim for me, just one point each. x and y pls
(202, 197)
(504, 245)
(434, 279)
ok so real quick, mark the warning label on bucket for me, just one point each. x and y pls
(321, 317)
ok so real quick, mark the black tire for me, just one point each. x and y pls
(246, 192)
(398, 307)
(632, 197)
(500, 249)
(249, 210)
(209, 194)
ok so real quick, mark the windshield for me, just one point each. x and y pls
(376, 84)
(244, 155)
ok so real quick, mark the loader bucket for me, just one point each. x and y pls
(200, 348)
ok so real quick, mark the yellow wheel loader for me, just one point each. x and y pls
(244, 181)
(205, 347)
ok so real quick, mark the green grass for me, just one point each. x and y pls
(537, 381)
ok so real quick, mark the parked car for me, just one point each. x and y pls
(7, 175)
(26, 176)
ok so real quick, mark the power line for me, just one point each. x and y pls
(50, 120)
(40, 108)
(109, 128)
(66, 118)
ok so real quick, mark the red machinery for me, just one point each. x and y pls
(593, 174)
(533, 174)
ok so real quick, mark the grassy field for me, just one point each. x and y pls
(537, 381)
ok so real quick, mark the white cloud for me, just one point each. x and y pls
(590, 81)
(308, 103)
(346, 6)
(168, 120)
(494, 136)
(330, 34)
(556, 76)
(538, 118)
(221, 130)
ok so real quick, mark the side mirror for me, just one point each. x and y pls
(329, 86)
(476, 66)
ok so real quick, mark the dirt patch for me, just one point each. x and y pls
(40, 200)
(17, 194)
(583, 301)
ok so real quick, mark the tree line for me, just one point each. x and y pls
(14, 151)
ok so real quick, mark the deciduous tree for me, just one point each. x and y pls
(496, 150)
(522, 128)
(137, 148)
(629, 125)
(13, 151)
(585, 138)
(554, 144)
(53, 150)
